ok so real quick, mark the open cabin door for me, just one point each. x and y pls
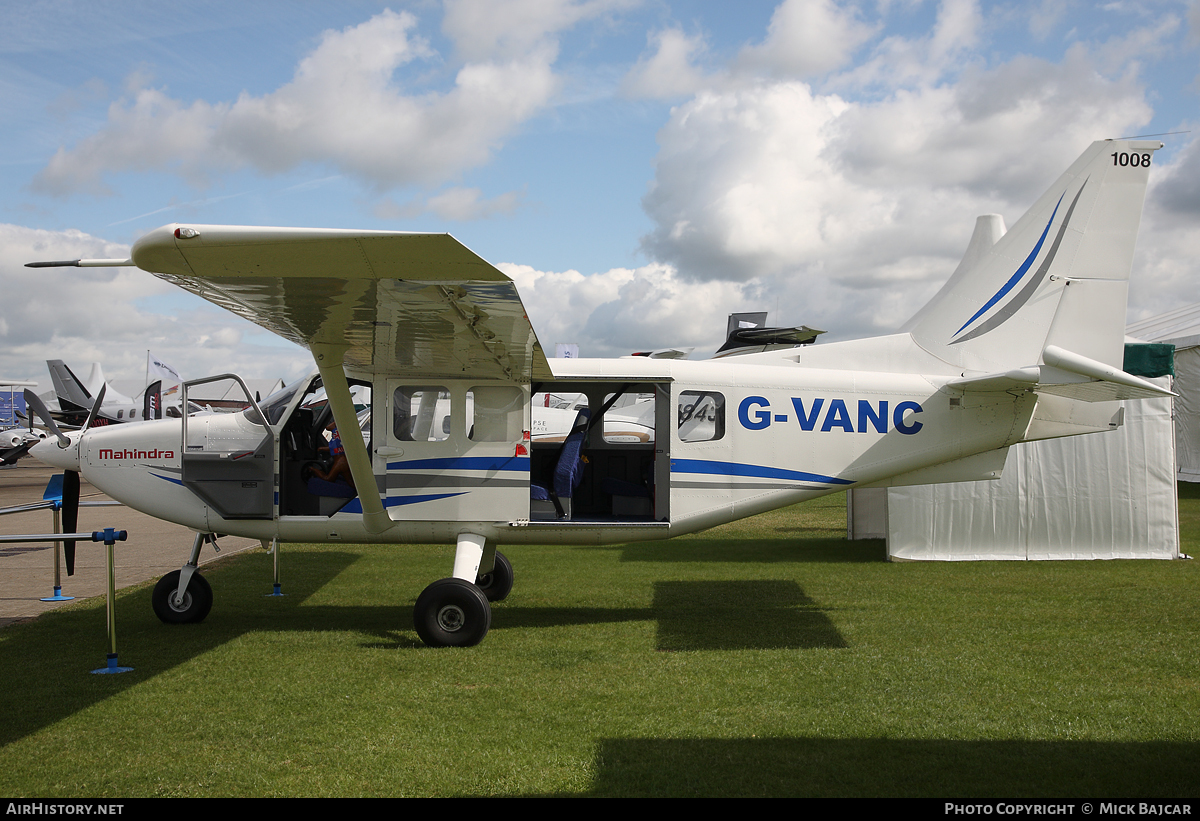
(625, 475)
(454, 450)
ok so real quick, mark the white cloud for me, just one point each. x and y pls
(455, 203)
(668, 72)
(1120, 52)
(506, 29)
(344, 107)
(907, 61)
(1175, 189)
(1046, 16)
(468, 204)
(851, 210)
(623, 310)
(807, 38)
(1165, 263)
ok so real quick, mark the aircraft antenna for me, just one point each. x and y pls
(1163, 134)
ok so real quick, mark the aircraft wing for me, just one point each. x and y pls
(398, 303)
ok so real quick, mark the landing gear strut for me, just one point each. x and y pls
(184, 596)
(455, 612)
(497, 584)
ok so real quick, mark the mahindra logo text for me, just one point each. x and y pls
(109, 453)
(755, 413)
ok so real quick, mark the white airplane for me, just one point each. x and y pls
(1024, 342)
(15, 440)
(76, 396)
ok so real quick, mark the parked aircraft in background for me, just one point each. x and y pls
(15, 439)
(1024, 342)
(76, 397)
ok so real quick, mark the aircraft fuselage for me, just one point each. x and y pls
(732, 439)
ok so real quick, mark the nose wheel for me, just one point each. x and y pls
(452, 613)
(193, 607)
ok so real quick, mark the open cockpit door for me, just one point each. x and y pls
(310, 481)
(231, 469)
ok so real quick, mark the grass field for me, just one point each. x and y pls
(766, 657)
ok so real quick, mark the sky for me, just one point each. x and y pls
(640, 168)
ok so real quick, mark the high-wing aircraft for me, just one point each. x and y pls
(1024, 342)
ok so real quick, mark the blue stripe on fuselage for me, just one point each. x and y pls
(709, 467)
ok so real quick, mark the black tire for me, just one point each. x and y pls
(197, 600)
(497, 584)
(452, 613)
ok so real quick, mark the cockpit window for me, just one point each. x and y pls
(274, 405)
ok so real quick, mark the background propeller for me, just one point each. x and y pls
(91, 417)
(70, 491)
(35, 404)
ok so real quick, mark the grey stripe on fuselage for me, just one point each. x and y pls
(442, 480)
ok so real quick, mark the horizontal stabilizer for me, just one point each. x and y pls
(1019, 379)
(1066, 374)
(1111, 382)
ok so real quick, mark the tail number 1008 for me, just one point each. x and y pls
(1136, 160)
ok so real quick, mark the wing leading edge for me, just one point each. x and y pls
(397, 303)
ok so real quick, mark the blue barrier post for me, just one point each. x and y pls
(110, 537)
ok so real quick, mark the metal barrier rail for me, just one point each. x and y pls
(88, 536)
(110, 536)
(54, 504)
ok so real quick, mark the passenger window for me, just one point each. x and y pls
(630, 419)
(701, 416)
(421, 414)
(553, 415)
(496, 413)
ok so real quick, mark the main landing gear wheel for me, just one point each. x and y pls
(452, 613)
(197, 600)
(497, 584)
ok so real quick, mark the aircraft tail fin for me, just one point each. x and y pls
(1058, 279)
(72, 395)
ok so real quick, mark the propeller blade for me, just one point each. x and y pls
(36, 405)
(95, 407)
(70, 516)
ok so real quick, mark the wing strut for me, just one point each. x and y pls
(329, 363)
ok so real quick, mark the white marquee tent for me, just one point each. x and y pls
(1097, 496)
(1181, 328)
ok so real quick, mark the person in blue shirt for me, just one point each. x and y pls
(340, 468)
